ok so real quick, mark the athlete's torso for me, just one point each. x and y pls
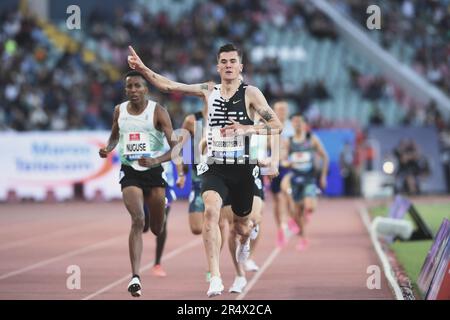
(233, 149)
(138, 136)
(301, 155)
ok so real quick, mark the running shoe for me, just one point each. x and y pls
(158, 271)
(134, 287)
(208, 276)
(293, 226)
(251, 266)
(238, 285)
(215, 287)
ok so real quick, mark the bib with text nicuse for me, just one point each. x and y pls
(301, 160)
(137, 145)
(226, 146)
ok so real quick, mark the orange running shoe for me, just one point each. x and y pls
(293, 226)
(158, 271)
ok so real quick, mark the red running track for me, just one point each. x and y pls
(39, 242)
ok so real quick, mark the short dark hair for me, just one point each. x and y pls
(229, 47)
(134, 73)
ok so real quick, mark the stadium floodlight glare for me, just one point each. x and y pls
(393, 227)
(388, 167)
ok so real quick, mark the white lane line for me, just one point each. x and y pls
(72, 253)
(388, 272)
(170, 255)
(259, 273)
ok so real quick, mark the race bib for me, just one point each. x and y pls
(136, 145)
(202, 168)
(301, 157)
(226, 147)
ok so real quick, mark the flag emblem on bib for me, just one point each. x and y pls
(135, 137)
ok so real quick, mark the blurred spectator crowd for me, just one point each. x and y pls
(42, 88)
(423, 25)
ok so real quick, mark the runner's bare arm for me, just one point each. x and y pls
(258, 102)
(188, 125)
(271, 124)
(164, 124)
(188, 131)
(323, 154)
(114, 136)
(164, 84)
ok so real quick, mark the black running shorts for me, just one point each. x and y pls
(232, 181)
(258, 187)
(145, 180)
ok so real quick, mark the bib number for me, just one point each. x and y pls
(136, 145)
(301, 157)
(225, 147)
(202, 168)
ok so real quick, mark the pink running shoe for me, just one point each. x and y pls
(158, 271)
(302, 244)
(281, 238)
(293, 226)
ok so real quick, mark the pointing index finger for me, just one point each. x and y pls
(132, 51)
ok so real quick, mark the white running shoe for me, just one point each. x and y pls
(243, 251)
(215, 287)
(238, 284)
(254, 232)
(134, 287)
(250, 265)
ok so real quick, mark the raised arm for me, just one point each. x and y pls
(114, 136)
(164, 84)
